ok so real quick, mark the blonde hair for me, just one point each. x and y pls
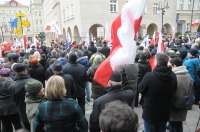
(31, 57)
(36, 55)
(55, 88)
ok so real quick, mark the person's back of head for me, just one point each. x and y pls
(53, 53)
(92, 43)
(72, 57)
(79, 53)
(62, 54)
(118, 117)
(162, 59)
(99, 49)
(115, 79)
(176, 62)
(84, 47)
(195, 46)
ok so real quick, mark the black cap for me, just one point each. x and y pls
(116, 76)
(19, 67)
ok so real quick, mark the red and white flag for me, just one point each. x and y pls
(36, 43)
(153, 40)
(195, 23)
(160, 49)
(24, 41)
(124, 28)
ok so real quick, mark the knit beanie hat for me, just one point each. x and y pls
(193, 52)
(72, 57)
(143, 57)
(116, 76)
(5, 72)
(33, 87)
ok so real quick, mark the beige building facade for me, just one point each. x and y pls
(79, 18)
(8, 12)
(36, 11)
(184, 15)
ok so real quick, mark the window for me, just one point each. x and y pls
(155, 8)
(35, 13)
(37, 29)
(181, 4)
(40, 21)
(64, 14)
(113, 5)
(4, 19)
(40, 14)
(13, 4)
(67, 12)
(36, 21)
(189, 5)
(28, 29)
(72, 10)
(41, 29)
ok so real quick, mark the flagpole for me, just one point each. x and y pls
(192, 16)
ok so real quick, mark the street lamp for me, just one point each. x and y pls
(1, 27)
(161, 7)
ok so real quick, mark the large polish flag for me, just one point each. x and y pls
(123, 31)
(160, 49)
(1, 56)
(153, 39)
(195, 23)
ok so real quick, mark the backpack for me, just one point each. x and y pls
(184, 103)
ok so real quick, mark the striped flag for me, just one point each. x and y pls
(124, 29)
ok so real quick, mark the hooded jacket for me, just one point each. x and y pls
(62, 60)
(158, 88)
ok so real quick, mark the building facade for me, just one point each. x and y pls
(184, 15)
(77, 18)
(36, 11)
(8, 12)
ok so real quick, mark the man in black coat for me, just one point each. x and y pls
(158, 88)
(92, 48)
(77, 71)
(105, 49)
(17, 91)
(57, 69)
(116, 90)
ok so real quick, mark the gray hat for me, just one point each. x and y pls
(33, 87)
(57, 67)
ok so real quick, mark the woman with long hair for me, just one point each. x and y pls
(59, 113)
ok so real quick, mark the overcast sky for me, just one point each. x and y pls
(24, 2)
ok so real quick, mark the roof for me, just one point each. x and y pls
(8, 4)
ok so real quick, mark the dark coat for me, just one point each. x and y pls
(113, 93)
(84, 61)
(37, 72)
(7, 107)
(106, 50)
(69, 84)
(158, 88)
(87, 53)
(143, 67)
(97, 89)
(17, 93)
(43, 63)
(77, 71)
(92, 48)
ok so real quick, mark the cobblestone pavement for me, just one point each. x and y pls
(188, 126)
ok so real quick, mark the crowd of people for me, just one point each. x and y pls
(45, 88)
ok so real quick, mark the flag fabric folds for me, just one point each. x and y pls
(36, 43)
(124, 29)
(195, 23)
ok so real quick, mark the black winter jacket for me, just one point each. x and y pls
(77, 71)
(17, 93)
(123, 94)
(158, 88)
